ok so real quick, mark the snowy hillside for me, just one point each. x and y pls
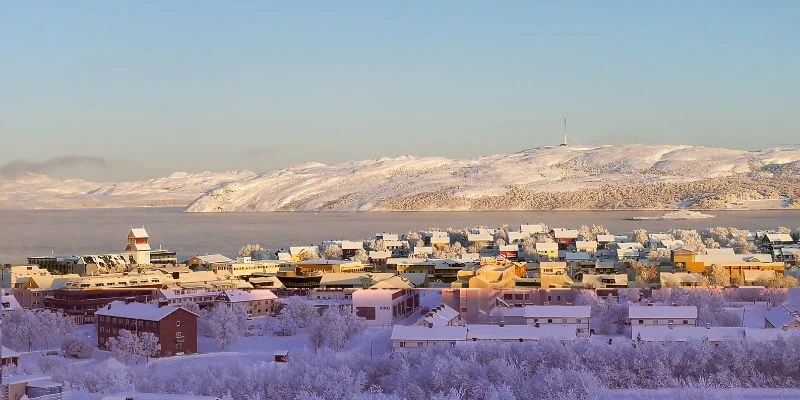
(178, 189)
(630, 176)
(605, 177)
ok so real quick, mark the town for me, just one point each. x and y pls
(392, 295)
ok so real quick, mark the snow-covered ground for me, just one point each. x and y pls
(392, 183)
(374, 184)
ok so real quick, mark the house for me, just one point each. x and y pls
(266, 282)
(517, 237)
(553, 274)
(444, 271)
(415, 337)
(681, 280)
(586, 246)
(509, 251)
(379, 258)
(81, 304)
(684, 333)
(8, 357)
(163, 257)
(494, 275)
(657, 239)
(441, 315)
(604, 241)
(672, 244)
(772, 239)
(8, 302)
(350, 248)
(547, 250)
(16, 387)
(564, 237)
(207, 260)
(182, 297)
(577, 317)
(789, 255)
(138, 246)
(781, 318)
(17, 275)
(629, 251)
(175, 327)
(422, 251)
(532, 229)
(257, 302)
(604, 280)
(662, 315)
(481, 238)
(385, 307)
(436, 238)
(385, 236)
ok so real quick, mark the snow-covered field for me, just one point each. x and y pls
(635, 176)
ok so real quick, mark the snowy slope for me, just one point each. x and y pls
(180, 188)
(372, 184)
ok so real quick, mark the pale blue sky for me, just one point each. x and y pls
(196, 85)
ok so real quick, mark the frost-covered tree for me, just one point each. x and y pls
(310, 253)
(225, 324)
(53, 325)
(296, 312)
(691, 240)
(126, 346)
(719, 276)
(332, 252)
(334, 328)
(361, 256)
(254, 251)
(640, 236)
(645, 271)
(21, 327)
(377, 245)
(149, 345)
(659, 253)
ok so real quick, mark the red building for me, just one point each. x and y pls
(81, 304)
(175, 327)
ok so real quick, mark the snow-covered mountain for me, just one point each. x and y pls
(178, 189)
(629, 176)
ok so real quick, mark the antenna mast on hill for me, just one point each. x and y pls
(564, 143)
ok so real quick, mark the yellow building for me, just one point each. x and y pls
(491, 274)
(734, 264)
(325, 266)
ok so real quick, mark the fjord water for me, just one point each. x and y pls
(95, 231)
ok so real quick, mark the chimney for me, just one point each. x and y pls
(671, 325)
(430, 325)
(785, 327)
(502, 324)
(708, 325)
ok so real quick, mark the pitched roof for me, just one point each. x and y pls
(558, 311)
(779, 237)
(546, 246)
(135, 310)
(139, 233)
(562, 233)
(239, 296)
(8, 353)
(778, 317)
(214, 258)
(662, 312)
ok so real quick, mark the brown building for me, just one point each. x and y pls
(82, 304)
(175, 327)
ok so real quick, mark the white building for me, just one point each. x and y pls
(385, 307)
(414, 337)
(577, 317)
(662, 315)
(138, 245)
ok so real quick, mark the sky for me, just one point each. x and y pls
(136, 89)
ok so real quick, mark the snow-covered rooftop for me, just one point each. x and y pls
(135, 310)
(422, 333)
(662, 312)
(558, 311)
(239, 296)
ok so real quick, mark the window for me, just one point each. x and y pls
(641, 322)
(549, 320)
(686, 322)
(402, 344)
(178, 346)
(177, 323)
